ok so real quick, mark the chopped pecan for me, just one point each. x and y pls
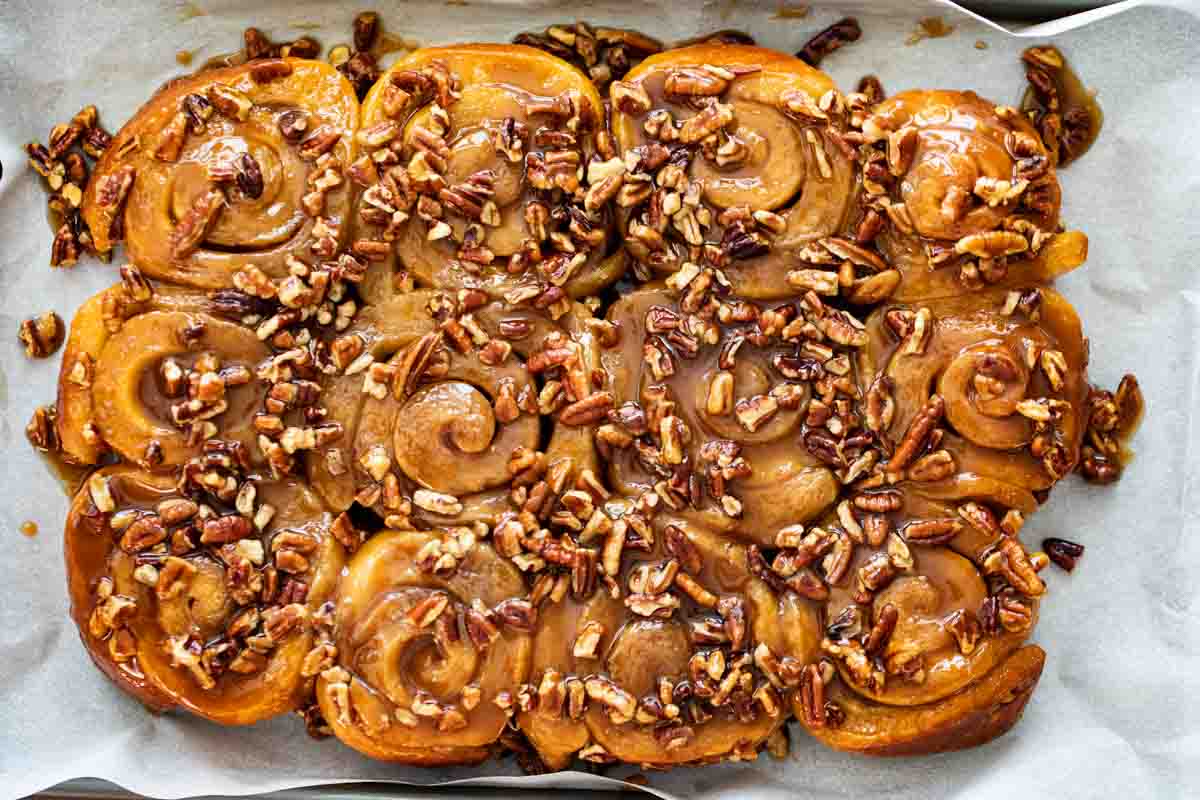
(917, 434)
(588, 411)
(42, 335)
(830, 39)
(1062, 552)
(249, 176)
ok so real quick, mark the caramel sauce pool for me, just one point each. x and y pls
(29, 528)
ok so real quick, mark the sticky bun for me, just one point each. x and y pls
(228, 169)
(200, 597)
(736, 159)
(471, 175)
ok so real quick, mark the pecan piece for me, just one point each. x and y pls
(230, 101)
(932, 531)
(196, 223)
(827, 41)
(1010, 561)
(42, 335)
(1062, 552)
(319, 142)
(267, 71)
(917, 434)
(812, 697)
(517, 613)
(588, 411)
(249, 176)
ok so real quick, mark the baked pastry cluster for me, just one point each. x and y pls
(636, 420)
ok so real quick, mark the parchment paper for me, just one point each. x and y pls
(1117, 712)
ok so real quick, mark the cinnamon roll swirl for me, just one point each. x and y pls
(443, 428)
(152, 373)
(472, 176)
(969, 195)
(735, 159)
(186, 598)
(927, 608)
(685, 657)
(229, 169)
(979, 395)
(433, 638)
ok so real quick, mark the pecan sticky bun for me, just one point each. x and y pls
(473, 175)
(969, 192)
(450, 417)
(202, 592)
(927, 607)
(415, 467)
(227, 170)
(151, 374)
(735, 159)
(431, 641)
(684, 655)
(977, 396)
(715, 396)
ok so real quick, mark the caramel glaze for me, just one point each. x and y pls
(797, 170)
(136, 652)
(1080, 115)
(385, 329)
(67, 474)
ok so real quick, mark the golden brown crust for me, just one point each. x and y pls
(983, 711)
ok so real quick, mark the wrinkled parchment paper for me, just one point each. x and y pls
(1118, 709)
